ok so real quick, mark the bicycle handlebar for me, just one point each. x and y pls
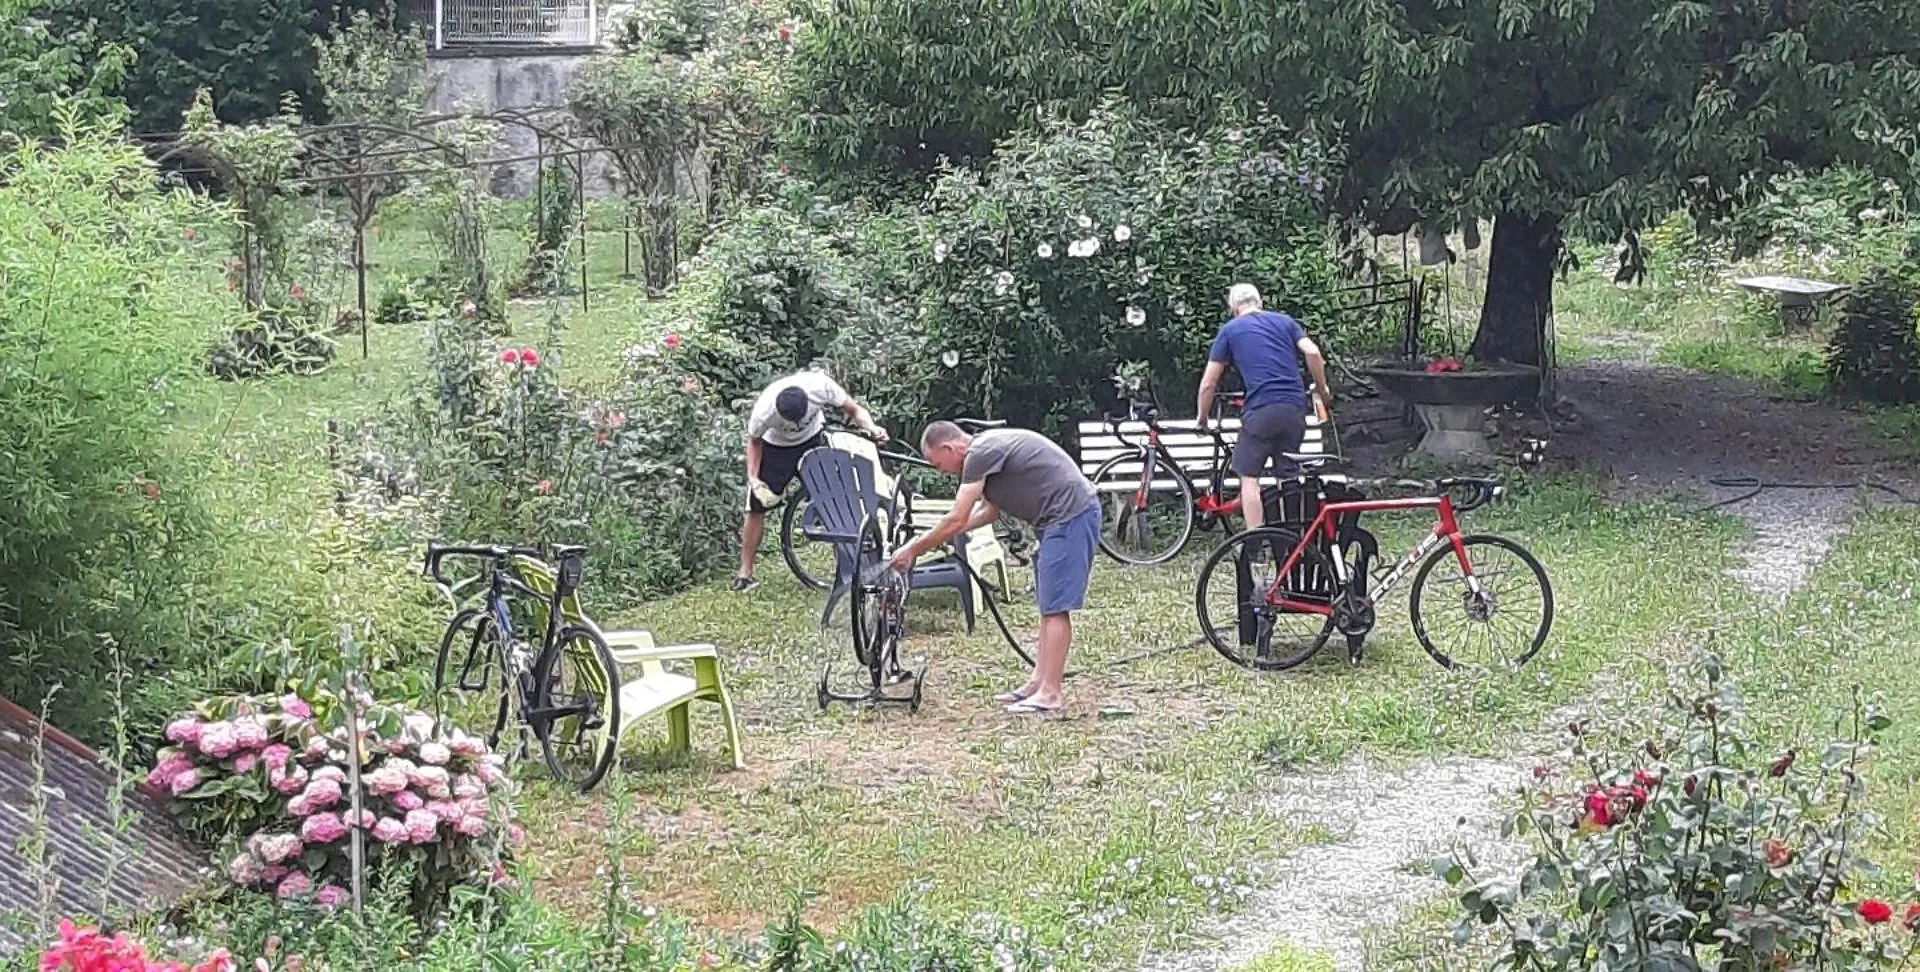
(495, 552)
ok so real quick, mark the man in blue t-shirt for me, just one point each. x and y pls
(1265, 348)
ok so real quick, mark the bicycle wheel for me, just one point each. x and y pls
(1501, 623)
(576, 716)
(866, 601)
(1235, 613)
(810, 560)
(1143, 528)
(471, 687)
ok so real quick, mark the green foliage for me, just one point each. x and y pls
(1089, 244)
(371, 72)
(1595, 119)
(49, 60)
(289, 340)
(694, 88)
(767, 298)
(455, 196)
(98, 328)
(250, 53)
(256, 164)
(1874, 353)
(1692, 845)
(554, 222)
(405, 302)
(646, 473)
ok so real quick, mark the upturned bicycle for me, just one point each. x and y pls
(1270, 598)
(812, 562)
(562, 692)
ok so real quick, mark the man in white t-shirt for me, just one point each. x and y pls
(788, 421)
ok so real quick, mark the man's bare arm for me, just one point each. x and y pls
(1209, 385)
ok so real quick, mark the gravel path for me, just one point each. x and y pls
(1656, 430)
(1387, 827)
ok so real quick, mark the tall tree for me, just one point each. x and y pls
(1552, 117)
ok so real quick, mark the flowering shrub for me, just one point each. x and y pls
(1692, 846)
(274, 775)
(1088, 244)
(87, 950)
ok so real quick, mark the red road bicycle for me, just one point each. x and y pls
(1270, 598)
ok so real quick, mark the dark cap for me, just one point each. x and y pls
(792, 403)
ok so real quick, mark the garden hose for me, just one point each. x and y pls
(1754, 486)
(993, 608)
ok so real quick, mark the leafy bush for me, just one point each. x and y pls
(768, 297)
(553, 226)
(1083, 245)
(270, 778)
(647, 473)
(405, 302)
(288, 340)
(102, 316)
(1692, 850)
(1875, 349)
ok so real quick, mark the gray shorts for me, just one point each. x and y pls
(1266, 434)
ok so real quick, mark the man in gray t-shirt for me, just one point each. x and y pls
(1024, 474)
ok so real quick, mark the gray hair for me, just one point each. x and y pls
(939, 434)
(1243, 296)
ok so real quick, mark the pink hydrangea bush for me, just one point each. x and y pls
(270, 778)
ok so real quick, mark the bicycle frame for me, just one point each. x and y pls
(1213, 502)
(1326, 526)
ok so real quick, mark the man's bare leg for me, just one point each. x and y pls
(750, 537)
(1050, 666)
(1252, 504)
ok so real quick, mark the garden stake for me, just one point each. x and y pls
(356, 834)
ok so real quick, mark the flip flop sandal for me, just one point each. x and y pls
(1030, 707)
(1009, 698)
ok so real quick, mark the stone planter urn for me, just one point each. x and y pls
(1453, 404)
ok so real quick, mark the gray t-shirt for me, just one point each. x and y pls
(1027, 476)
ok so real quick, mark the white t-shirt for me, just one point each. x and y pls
(822, 393)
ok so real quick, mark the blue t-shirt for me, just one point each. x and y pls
(1264, 347)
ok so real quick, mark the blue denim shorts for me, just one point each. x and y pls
(1063, 562)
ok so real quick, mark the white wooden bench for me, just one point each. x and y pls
(1800, 300)
(1195, 452)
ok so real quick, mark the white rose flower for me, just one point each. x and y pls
(1136, 317)
(1044, 251)
(1086, 222)
(1122, 233)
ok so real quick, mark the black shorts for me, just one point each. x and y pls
(1266, 434)
(778, 466)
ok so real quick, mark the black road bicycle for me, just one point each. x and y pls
(564, 692)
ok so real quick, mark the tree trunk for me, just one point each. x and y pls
(1513, 321)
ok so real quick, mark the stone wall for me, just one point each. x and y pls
(486, 83)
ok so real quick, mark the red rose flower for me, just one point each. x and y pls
(672, 341)
(1779, 854)
(1646, 778)
(1599, 806)
(543, 487)
(1690, 785)
(1781, 765)
(190, 234)
(530, 357)
(1911, 918)
(786, 33)
(468, 309)
(298, 292)
(1874, 912)
(1541, 772)
(509, 357)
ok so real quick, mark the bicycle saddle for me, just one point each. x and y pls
(565, 551)
(1312, 460)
